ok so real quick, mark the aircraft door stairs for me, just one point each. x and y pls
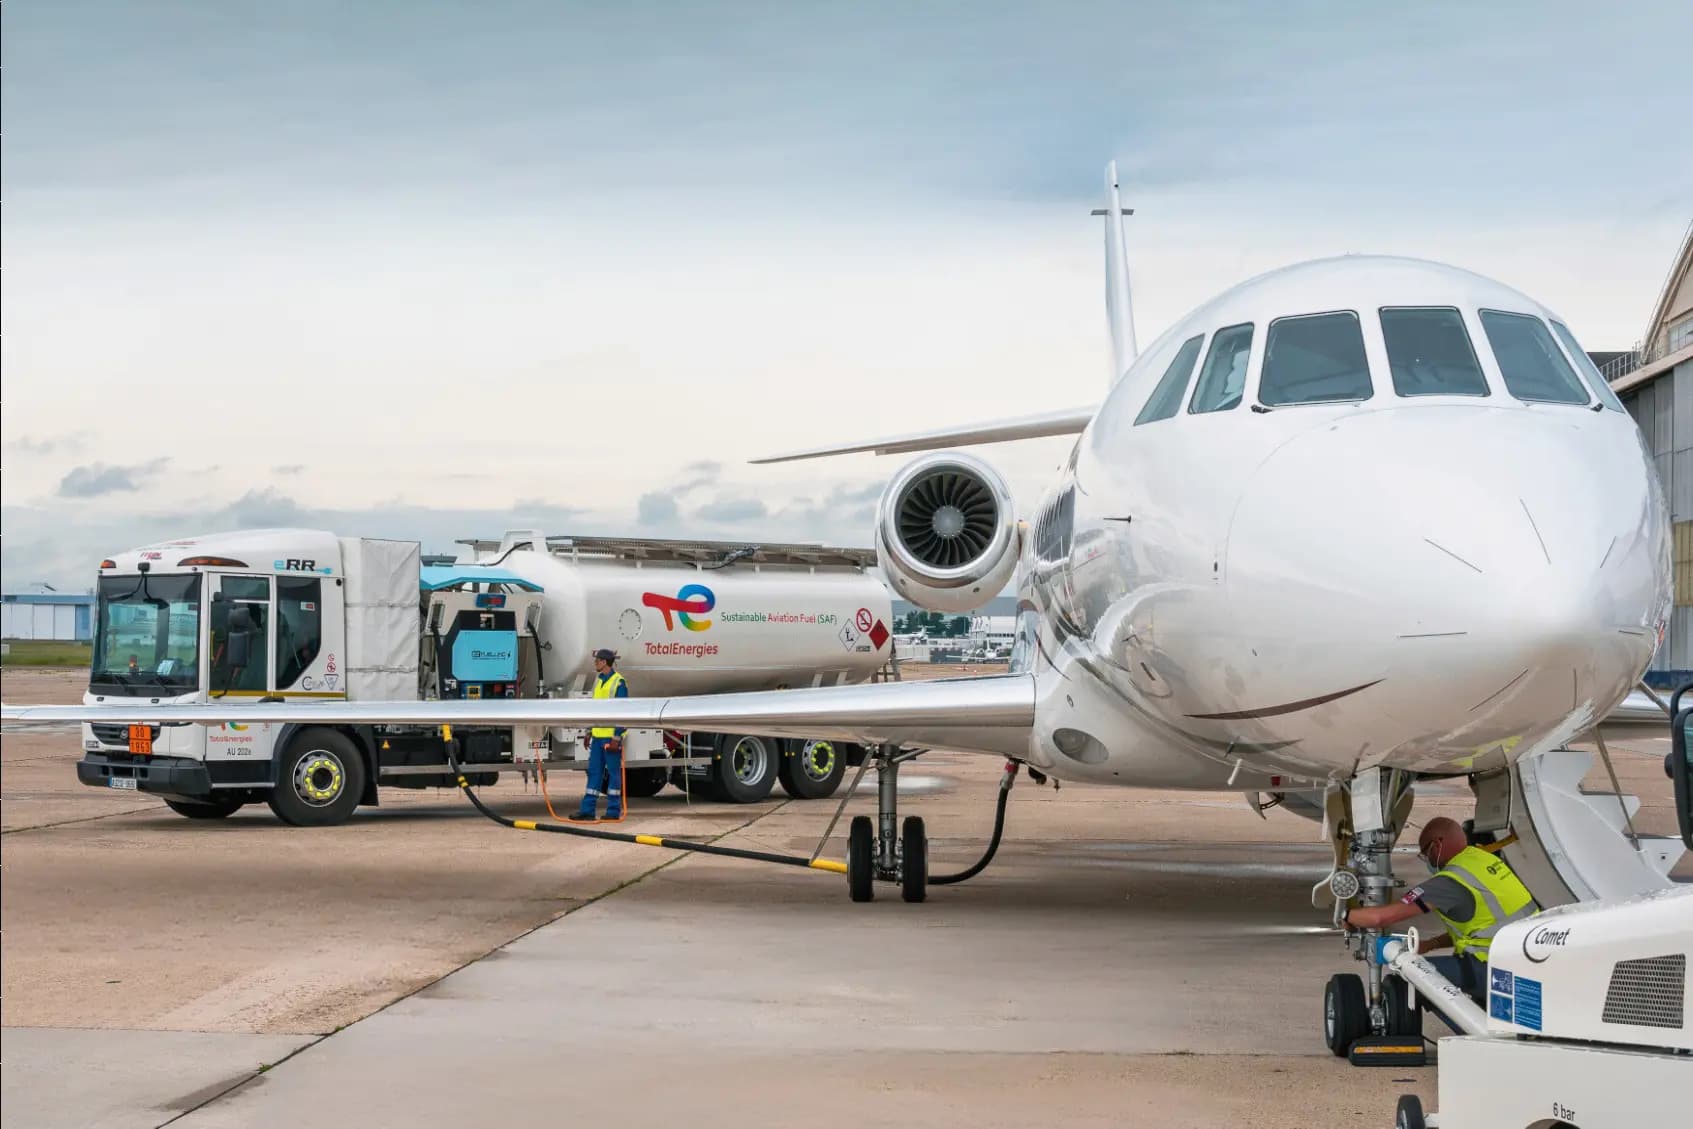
(1566, 843)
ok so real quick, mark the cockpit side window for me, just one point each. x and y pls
(1533, 367)
(1430, 353)
(1166, 399)
(1314, 359)
(1584, 365)
(1223, 379)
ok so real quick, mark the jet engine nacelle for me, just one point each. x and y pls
(946, 533)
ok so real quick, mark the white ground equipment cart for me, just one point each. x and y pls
(1588, 1024)
(277, 614)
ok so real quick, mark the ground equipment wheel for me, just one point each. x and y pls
(1409, 1115)
(745, 769)
(813, 770)
(914, 860)
(1346, 1017)
(861, 859)
(644, 782)
(1403, 1018)
(217, 807)
(319, 779)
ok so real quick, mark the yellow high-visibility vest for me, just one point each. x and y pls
(607, 688)
(1500, 898)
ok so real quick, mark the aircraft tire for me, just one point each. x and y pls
(1346, 1016)
(861, 859)
(914, 872)
(1402, 1017)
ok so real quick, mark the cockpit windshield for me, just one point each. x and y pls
(1529, 360)
(1224, 376)
(1595, 379)
(1313, 359)
(147, 638)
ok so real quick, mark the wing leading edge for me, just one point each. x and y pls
(992, 714)
(1070, 421)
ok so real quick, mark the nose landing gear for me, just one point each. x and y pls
(881, 849)
(1370, 1020)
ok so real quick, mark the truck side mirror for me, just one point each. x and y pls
(1681, 774)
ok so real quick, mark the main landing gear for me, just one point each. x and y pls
(880, 849)
(1371, 1020)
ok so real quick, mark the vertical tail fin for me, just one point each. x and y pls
(1119, 305)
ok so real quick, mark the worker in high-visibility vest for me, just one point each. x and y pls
(1473, 892)
(605, 746)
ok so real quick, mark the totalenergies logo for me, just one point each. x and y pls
(694, 600)
(234, 728)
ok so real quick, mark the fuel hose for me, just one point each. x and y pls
(464, 785)
(1008, 778)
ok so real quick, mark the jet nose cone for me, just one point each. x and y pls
(1489, 569)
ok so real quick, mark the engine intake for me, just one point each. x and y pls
(946, 533)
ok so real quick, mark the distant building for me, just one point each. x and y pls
(1655, 382)
(47, 615)
(993, 632)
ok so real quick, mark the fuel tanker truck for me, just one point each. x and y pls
(277, 614)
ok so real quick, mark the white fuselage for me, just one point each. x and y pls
(1434, 582)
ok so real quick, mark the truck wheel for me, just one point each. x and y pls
(318, 780)
(745, 770)
(216, 807)
(1346, 1017)
(914, 860)
(813, 771)
(861, 859)
(644, 782)
(1409, 1115)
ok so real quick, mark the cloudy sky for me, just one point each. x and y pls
(437, 270)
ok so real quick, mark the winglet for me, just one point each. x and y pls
(1119, 306)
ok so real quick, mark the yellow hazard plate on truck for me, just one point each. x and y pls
(141, 739)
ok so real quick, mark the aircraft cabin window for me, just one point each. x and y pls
(1314, 359)
(1584, 364)
(1533, 367)
(1166, 399)
(1430, 353)
(1224, 377)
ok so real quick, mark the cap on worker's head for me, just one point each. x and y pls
(607, 654)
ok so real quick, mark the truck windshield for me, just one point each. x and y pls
(148, 635)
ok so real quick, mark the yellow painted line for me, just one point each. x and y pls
(523, 824)
(830, 865)
(649, 840)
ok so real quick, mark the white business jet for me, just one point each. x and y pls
(1350, 522)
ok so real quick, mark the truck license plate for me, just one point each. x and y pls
(125, 783)
(141, 739)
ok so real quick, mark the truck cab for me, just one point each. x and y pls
(241, 617)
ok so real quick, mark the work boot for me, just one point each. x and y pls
(582, 815)
(612, 812)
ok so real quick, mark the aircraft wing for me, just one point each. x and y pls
(1071, 421)
(991, 714)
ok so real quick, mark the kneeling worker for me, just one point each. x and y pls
(605, 747)
(1474, 894)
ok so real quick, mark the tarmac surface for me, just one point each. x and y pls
(1131, 958)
